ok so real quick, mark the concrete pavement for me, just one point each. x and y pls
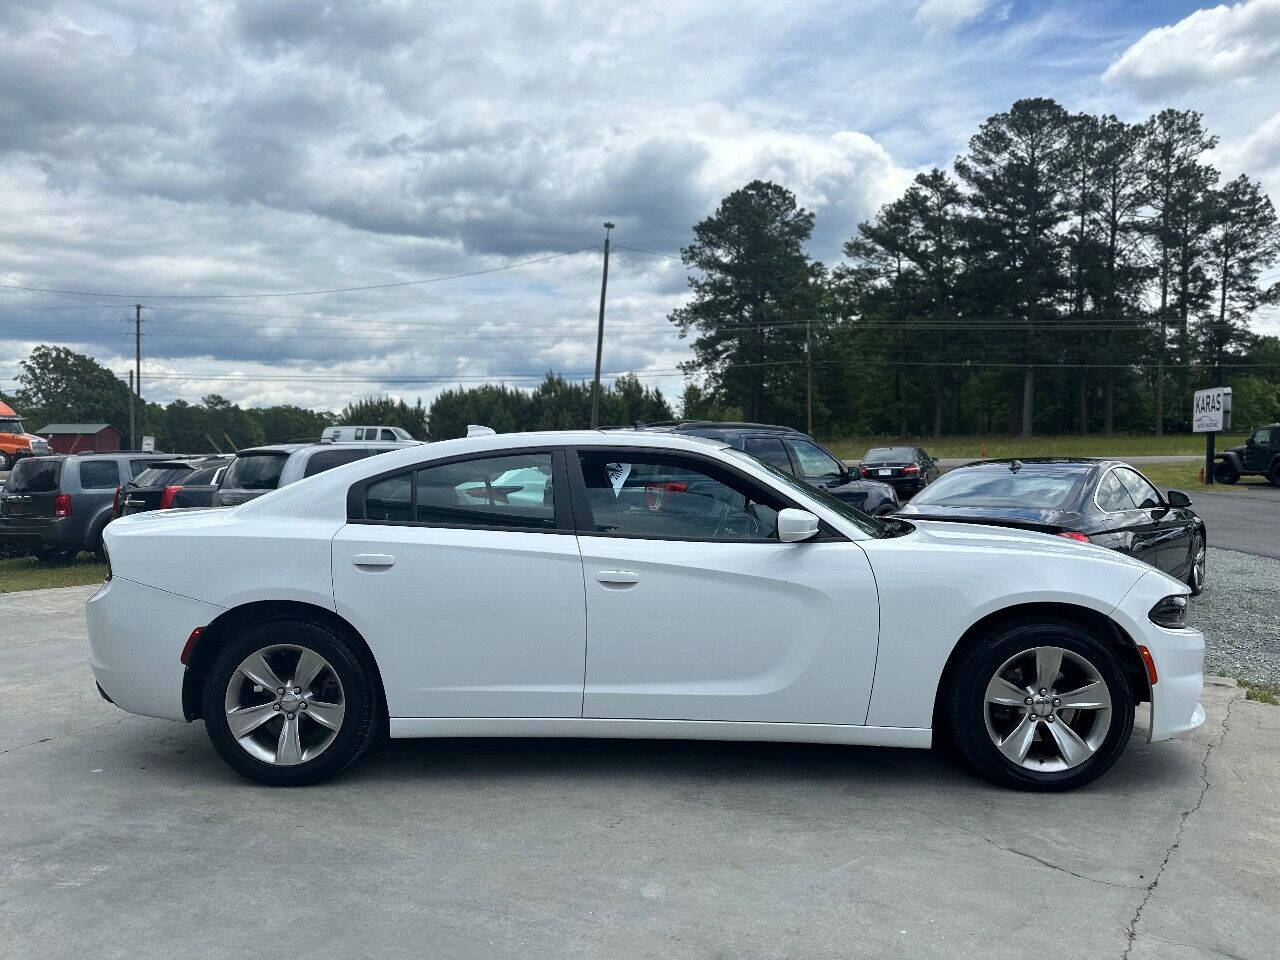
(127, 837)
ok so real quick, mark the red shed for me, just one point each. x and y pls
(81, 437)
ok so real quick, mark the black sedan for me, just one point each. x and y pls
(1097, 501)
(171, 484)
(907, 469)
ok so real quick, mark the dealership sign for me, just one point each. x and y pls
(1211, 410)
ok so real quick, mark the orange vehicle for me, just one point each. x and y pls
(15, 442)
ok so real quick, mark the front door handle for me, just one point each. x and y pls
(618, 578)
(373, 560)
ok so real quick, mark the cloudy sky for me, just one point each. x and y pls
(200, 157)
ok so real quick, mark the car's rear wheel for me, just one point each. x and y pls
(1224, 472)
(1040, 705)
(50, 555)
(1274, 475)
(287, 703)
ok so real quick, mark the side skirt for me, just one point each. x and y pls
(918, 737)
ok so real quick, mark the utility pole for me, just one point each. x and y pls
(132, 423)
(137, 367)
(604, 286)
(808, 377)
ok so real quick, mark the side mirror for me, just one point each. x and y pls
(1176, 498)
(796, 525)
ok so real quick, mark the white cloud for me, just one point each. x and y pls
(1238, 43)
(944, 15)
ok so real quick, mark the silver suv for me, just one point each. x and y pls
(260, 470)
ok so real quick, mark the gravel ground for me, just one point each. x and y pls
(1239, 613)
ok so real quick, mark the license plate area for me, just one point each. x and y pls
(885, 473)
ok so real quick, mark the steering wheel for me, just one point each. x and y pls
(744, 526)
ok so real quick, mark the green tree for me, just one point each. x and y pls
(285, 422)
(383, 411)
(58, 384)
(1245, 239)
(1017, 170)
(1178, 189)
(752, 291)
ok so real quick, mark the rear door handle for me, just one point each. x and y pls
(373, 560)
(618, 578)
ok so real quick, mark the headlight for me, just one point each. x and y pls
(1171, 612)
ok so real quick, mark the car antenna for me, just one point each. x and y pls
(1015, 466)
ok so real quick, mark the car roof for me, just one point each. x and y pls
(1007, 462)
(729, 426)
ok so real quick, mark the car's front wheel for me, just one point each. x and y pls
(1224, 472)
(1040, 705)
(1274, 474)
(288, 703)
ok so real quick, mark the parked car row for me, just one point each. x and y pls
(54, 507)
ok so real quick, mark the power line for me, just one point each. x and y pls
(301, 293)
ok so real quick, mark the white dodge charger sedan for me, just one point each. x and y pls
(629, 584)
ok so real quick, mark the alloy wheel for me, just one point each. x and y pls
(284, 704)
(1047, 709)
(1198, 567)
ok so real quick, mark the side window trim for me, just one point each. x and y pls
(560, 493)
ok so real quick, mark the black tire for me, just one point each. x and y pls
(965, 708)
(1224, 472)
(55, 557)
(6, 462)
(360, 723)
(1274, 474)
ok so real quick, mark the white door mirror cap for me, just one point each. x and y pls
(796, 525)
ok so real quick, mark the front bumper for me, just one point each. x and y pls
(1177, 654)
(136, 636)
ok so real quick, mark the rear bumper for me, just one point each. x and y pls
(136, 636)
(57, 533)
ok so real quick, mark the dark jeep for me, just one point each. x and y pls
(1259, 456)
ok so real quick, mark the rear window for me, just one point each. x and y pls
(889, 455)
(255, 471)
(329, 459)
(202, 476)
(98, 474)
(1027, 488)
(34, 476)
(161, 476)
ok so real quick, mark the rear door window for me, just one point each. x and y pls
(255, 471)
(98, 474)
(161, 476)
(771, 451)
(34, 476)
(328, 459)
(1113, 496)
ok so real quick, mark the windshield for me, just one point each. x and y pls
(867, 524)
(34, 476)
(255, 471)
(161, 476)
(1028, 488)
(889, 455)
(11, 425)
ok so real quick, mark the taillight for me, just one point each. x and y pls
(166, 498)
(655, 493)
(911, 468)
(1074, 535)
(866, 471)
(115, 503)
(62, 505)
